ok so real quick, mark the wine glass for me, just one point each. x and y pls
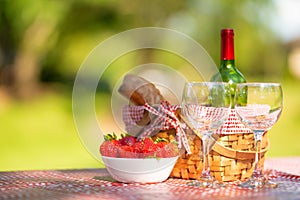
(258, 106)
(205, 107)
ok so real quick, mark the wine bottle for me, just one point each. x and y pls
(227, 70)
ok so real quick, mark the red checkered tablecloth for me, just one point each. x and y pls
(97, 184)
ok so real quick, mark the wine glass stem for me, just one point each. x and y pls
(205, 162)
(258, 168)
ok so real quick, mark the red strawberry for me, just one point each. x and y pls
(128, 140)
(167, 151)
(104, 149)
(110, 148)
(137, 148)
(116, 143)
(161, 144)
(127, 152)
(149, 148)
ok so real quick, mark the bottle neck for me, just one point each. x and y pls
(227, 45)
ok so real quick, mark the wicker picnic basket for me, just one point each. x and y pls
(232, 156)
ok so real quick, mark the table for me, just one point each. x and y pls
(96, 184)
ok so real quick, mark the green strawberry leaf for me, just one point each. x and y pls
(157, 140)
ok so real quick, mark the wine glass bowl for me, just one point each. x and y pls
(205, 118)
(205, 107)
(258, 117)
(258, 106)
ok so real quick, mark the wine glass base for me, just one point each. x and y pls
(258, 182)
(207, 182)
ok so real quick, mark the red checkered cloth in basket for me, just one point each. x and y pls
(165, 119)
(233, 125)
(205, 113)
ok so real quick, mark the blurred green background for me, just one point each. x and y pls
(43, 43)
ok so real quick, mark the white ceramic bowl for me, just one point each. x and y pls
(139, 170)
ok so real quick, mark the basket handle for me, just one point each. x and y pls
(225, 151)
(238, 154)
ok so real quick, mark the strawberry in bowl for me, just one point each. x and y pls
(145, 161)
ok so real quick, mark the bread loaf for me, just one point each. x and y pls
(140, 91)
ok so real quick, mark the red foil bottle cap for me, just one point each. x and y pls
(227, 44)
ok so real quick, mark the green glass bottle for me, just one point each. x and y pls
(228, 71)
